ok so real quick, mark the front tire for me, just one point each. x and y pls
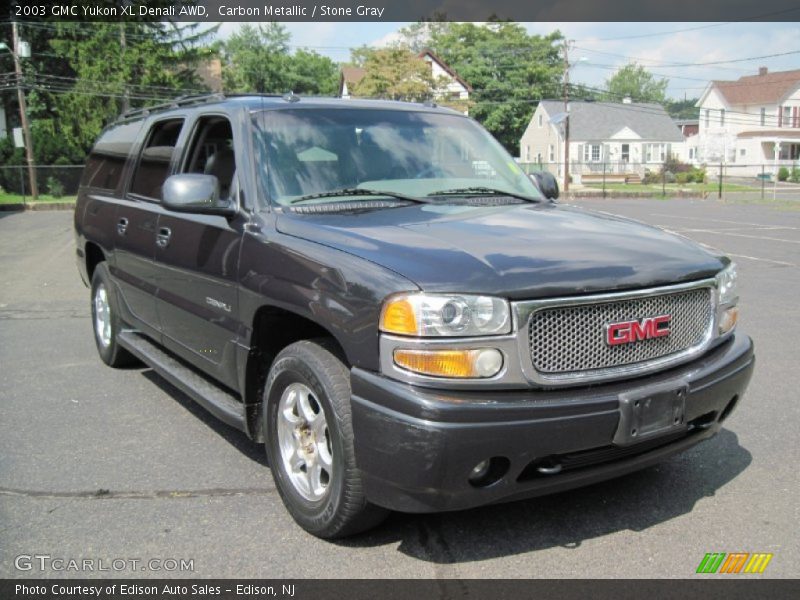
(309, 442)
(105, 320)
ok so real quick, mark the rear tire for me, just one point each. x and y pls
(309, 442)
(105, 320)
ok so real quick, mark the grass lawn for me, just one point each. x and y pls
(670, 187)
(6, 198)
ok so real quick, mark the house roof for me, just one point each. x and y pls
(594, 121)
(352, 75)
(428, 52)
(766, 88)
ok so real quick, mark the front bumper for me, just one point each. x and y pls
(416, 447)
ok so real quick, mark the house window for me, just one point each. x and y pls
(691, 153)
(787, 116)
(539, 157)
(763, 116)
(742, 152)
(722, 117)
(708, 117)
(540, 120)
(527, 154)
(551, 153)
(591, 153)
(656, 152)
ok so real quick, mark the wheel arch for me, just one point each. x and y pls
(94, 255)
(274, 328)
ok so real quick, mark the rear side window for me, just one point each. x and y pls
(154, 161)
(107, 159)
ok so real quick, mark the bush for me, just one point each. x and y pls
(697, 175)
(795, 175)
(683, 178)
(669, 177)
(54, 187)
(783, 174)
(651, 177)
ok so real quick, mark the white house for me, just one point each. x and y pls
(618, 139)
(450, 85)
(744, 122)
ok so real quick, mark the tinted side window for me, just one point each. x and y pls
(107, 159)
(154, 161)
(211, 152)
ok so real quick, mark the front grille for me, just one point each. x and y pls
(570, 340)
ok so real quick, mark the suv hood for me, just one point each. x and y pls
(516, 251)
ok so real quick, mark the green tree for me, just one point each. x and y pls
(257, 59)
(394, 74)
(508, 69)
(637, 83)
(117, 66)
(312, 73)
(682, 109)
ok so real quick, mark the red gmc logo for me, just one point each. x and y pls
(635, 331)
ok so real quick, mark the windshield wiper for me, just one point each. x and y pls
(484, 190)
(360, 192)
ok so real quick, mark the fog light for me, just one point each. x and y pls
(479, 363)
(728, 320)
(479, 471)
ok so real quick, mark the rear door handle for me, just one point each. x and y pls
(162, 239)
(122, 226)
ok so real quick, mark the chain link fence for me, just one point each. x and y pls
(56, 183)
(674, 178)
(59, 183)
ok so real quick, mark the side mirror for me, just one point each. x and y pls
(195, 193)
(547, 184)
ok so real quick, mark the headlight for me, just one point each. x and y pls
(445, 315)
(726, 285)
(728, 314)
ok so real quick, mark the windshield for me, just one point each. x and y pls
(313, 151)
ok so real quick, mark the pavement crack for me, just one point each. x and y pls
(104, 494)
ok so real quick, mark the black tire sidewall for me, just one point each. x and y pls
(112, 354)
(317, 517)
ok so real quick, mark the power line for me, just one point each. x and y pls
(687, 29)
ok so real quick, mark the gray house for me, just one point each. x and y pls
(622, 139)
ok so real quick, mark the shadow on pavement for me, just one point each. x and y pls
(233, 436)
(634, 502)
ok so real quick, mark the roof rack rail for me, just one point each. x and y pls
(186, 100)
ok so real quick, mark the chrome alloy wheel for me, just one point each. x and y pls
(102, 316)
(304, 441)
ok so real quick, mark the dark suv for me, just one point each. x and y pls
(408, 321)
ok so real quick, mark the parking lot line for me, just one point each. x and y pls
(744, 235)
(718, 220)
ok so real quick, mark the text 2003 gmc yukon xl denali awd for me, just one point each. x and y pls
(377, 292)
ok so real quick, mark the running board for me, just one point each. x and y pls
(215, 399)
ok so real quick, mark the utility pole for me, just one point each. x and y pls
(123, 44)
(23, 114)
(566, 111)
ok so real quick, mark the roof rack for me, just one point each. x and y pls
(187, 100)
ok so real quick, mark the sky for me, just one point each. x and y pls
(608, 46)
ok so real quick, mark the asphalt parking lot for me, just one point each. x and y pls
(104, 464)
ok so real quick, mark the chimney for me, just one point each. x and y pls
(626, 100)
(762, 71)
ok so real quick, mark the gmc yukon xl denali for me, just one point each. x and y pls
(407, 321)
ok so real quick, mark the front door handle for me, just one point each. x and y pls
(122, 226)
(162, 239)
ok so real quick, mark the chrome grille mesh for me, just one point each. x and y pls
(571, 339)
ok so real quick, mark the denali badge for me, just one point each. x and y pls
(635, 331)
